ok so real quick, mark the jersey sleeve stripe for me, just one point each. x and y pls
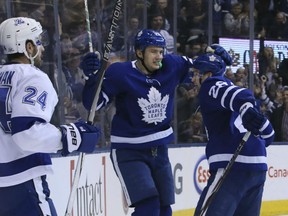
(233, 96)
(240, 159)
(23, 123)
(223, 99)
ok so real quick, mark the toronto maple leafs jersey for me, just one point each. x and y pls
(220, 102)
(27, 102)
(144, 104)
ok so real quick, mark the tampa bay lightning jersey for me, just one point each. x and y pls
(27, 102)
(220, 102)
(144, 104)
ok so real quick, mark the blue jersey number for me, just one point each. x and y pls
(5, 111)
(32, 97)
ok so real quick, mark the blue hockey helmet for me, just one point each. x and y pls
(210, 62)
(148, 37)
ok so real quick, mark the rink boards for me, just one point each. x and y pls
(99, 191)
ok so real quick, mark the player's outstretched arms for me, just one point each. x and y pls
(79, 136)
(90, 64)
(220, 51)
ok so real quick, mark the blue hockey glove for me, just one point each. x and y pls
(253, 120)
(220, 51)
(79, 136)
(90, 64)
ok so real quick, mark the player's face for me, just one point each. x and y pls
(152, 57)
(285, 96)
(205, 76)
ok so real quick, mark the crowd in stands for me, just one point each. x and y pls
(230, 19)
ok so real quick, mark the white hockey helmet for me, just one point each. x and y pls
(14, 32)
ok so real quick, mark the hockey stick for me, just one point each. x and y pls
(225, 173)
(101, 72)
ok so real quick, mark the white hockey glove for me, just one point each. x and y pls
(79, 136)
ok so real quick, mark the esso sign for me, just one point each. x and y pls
(201, 174)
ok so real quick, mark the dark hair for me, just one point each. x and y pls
(13, 56)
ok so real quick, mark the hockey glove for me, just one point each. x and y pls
(79, 136)
(220, 51)
(253, 120)
(90, 64)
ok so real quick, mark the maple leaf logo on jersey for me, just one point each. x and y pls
(212, 58)
(154, 109)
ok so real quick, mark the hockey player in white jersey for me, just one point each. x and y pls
(27, 102)
(141, 128)
(228, 112)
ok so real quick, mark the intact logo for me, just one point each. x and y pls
(201, 174)
(91, 191)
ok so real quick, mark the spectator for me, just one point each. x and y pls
(282, 5)
(229, 74)
(74, 24)
(196, 15)
(279, 119)
(283, 71)
(267, 61)
(133, 28)
(218, 15)
(241, 77)
(265, 10)
(182, 29)
(156, 23)
(271, 101)
(192, 130)
(196, 46)
(74, 81)
(166, 8)
(278, 29)
(236, 23)
(187, 103)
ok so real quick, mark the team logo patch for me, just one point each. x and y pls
(212, 58)
(154, 108)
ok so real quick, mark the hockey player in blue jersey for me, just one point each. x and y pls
(228, 112)
(144, 91)
(27, 102)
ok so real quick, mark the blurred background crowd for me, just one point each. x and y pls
(188, 27)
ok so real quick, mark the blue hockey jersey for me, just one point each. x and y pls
(144, 104)
(220, 101)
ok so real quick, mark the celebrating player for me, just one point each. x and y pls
(143, 91)
(28, 100)
(228, 112)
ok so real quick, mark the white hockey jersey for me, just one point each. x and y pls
(27, 102)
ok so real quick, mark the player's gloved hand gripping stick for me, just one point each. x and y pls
(100, 75)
